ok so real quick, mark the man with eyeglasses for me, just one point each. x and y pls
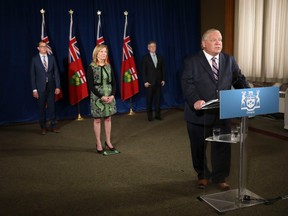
(45, 81)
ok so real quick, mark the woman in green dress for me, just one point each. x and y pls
(102, 87)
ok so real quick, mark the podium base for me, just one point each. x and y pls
(229, 200)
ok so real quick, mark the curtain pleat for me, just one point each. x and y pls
(261, 35)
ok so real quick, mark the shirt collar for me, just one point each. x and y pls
(209, 57)
(42, 55)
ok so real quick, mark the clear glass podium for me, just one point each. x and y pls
(240, 197)
(235, 104)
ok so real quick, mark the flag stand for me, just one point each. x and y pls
(79, 118)
(131, 110)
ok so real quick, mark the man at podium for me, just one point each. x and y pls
(204, 75)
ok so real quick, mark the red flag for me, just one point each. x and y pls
(44, 37)
(129, 78)
(76, 74)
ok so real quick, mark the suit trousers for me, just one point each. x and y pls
(220, 154)
(153, 94)
(47, 99)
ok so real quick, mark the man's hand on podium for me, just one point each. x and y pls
(198, 104)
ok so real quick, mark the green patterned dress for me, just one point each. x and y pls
(102, 80)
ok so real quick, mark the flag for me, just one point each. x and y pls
(129, 78)
(44, 37)
(100, 38)
(76, 74)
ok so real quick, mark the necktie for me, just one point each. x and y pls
(45, 63)
(154, 58)
(215, 68)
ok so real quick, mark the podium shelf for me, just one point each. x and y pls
(223, 138)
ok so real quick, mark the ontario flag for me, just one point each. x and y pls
(129, 77)
(44, 37)
(76, 74)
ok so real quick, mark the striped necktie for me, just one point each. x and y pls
(45, 63)
(215, 68)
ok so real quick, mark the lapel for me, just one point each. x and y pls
(49, 62)
(221, 67)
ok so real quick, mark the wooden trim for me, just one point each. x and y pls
(229, 26)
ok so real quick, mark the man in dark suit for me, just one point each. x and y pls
(202, 79)
(45, 82)
(152, 66)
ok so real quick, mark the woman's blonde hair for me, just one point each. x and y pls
(96, 51)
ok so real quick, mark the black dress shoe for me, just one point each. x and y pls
(111, 149)
(55, 130)
(158, 118)
(150, 116)
(202, 183)
(224, 186)
(43, 131)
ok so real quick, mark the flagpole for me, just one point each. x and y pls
(98, 25)
(79, 118)
(126, 14)
(71, 23)
(42, 11)
(131, 112)
(125, 26)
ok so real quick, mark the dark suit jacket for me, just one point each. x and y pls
(198, 83)
(149, 72)
(38, 74)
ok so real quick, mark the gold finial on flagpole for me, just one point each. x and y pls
(99, 13)
(71, 11)
(42, 11)
(126, 13)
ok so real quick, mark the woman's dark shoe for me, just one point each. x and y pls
(111, 149)
(99, 151)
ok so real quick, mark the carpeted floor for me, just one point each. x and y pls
(61, 174)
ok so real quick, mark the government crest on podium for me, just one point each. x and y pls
(250, 101)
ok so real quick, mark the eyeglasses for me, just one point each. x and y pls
(43, 46)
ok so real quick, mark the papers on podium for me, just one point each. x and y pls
(211, 104)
